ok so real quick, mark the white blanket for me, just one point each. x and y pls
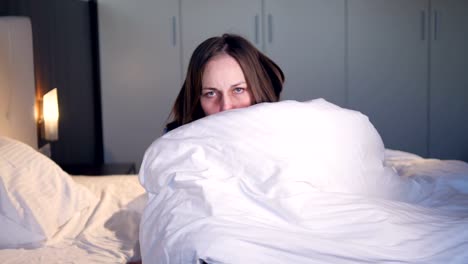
(294, 182)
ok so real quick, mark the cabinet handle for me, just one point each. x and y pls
(174, 31)
(257, 24)
(423, 25)
(270, 28)
(436, 24)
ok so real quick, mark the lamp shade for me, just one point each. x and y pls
(50, 112)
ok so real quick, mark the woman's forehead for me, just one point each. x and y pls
(222, 71)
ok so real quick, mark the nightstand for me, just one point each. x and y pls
(102, 169)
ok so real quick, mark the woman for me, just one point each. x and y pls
(224, 73)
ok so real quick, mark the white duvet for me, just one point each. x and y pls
(294, 182)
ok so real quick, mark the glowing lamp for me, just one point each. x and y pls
(50, 113)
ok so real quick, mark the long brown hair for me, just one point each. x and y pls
(263, 77)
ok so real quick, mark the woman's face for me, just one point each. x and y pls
(224, 86)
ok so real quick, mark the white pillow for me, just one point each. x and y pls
(36, 196)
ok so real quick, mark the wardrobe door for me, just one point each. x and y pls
(307, 39)
(140, 73)
(202, 19)
(449, 80)
(388, 69)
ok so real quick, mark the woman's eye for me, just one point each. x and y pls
(209, 94)
(238, 90)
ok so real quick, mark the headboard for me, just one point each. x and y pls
(17, 90)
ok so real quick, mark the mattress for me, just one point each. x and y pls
(106, 232)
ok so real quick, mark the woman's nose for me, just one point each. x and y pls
(226, 103)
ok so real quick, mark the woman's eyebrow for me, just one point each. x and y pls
(232, 86)
(236, 84)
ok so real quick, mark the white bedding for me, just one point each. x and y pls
(106, 232)
(298, 183)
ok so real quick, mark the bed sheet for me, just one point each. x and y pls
(106, 232)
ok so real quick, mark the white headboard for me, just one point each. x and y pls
(17, 90)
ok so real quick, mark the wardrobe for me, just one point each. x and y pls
(403, 63)
(408, 71)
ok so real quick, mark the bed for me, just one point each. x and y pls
(287, 182)
(47, 215)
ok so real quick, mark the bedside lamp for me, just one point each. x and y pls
(50, 113)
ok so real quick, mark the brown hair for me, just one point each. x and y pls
(263, 77)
